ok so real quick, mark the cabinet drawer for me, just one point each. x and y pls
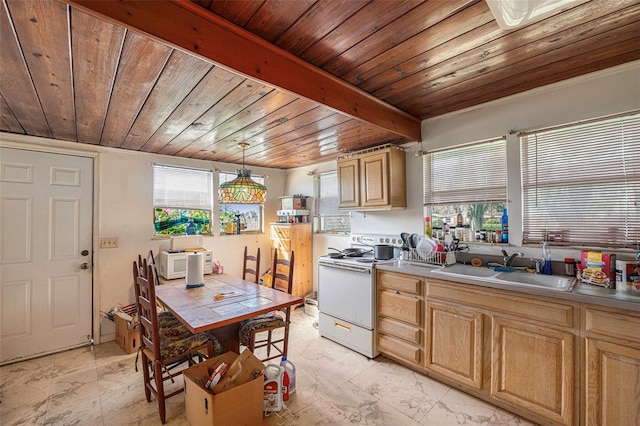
(391, 346)
(400, 306)
(538, 309)
(620, 325)
(399, 329)
(405, 283)
(280, 232)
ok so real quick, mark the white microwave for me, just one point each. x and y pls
(174, 265)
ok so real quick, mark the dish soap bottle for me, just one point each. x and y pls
(427, 226)
(546, 259)
(505, 227)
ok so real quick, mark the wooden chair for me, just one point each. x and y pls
(246, 269)
(166, 344)
(282, 273)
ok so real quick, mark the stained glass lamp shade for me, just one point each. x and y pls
(243, 189)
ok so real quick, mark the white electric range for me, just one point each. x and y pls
(347, 295)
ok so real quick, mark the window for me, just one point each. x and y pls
(181, 196)
(581, 183)
(331, 219)
(470, 180)
(250, 216)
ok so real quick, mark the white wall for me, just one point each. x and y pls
(605, 92)
(124, 209)
(594, 95)
(123, 179)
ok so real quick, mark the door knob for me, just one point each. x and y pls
(85, 252)
(85, 265)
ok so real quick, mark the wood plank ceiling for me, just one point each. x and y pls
(378, 68)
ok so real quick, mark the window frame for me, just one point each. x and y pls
(333, 210)
(467, 192)
(164, 197)
(574, 223)
(228, 176)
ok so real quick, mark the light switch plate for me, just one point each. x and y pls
(109, 242)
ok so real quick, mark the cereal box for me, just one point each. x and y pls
(598, 268)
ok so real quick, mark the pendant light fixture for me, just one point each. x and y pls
(243, 189)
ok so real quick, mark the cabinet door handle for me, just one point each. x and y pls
(342, 326)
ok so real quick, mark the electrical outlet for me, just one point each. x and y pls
(109, 242)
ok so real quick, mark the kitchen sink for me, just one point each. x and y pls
(551, 282)
(467, 271)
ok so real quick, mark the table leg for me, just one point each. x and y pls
(228, 337)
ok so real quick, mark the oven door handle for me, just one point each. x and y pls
(347, 267)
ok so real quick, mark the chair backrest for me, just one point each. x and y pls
(247, 269)
(147, 308)
(142, 269)
(283, 280)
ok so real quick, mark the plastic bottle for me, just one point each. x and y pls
(291, 372)
(190, 228)
(505, 226)
(546, 259)
(285, 386)
(273, 375)
(427, 226)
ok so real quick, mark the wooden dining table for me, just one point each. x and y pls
(200, 310)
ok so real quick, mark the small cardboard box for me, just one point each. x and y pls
(236, 400)
(598, 268)
(127, 334)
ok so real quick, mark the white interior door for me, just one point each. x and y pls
(46, 217)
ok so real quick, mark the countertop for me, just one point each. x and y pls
(584, 293)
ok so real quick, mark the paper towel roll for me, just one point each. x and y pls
(195, 268)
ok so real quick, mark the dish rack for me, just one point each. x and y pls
(427, 257)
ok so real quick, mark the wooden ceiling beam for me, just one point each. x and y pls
(193, 29)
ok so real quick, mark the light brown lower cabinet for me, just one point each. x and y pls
(532, 366)
(611, 394)
(510, 349)
(400, 322)
(455, 343)
(550, 360)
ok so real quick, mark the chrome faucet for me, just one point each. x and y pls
(508, 260)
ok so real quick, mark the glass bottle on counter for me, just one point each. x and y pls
(546, 259)
(505, 227)
(427, 226)
(471, 233)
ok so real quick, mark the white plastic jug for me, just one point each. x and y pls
(273, 387)
(291, 371)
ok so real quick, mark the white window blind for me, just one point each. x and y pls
(328, 197)
(581, 183)
(475, 173)
(331, 218)
(184, 188)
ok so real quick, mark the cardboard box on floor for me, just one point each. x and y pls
(127, 333)
(236, 400)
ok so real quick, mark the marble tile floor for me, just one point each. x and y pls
(335, 386)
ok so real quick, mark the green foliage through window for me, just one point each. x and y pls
(170, 221)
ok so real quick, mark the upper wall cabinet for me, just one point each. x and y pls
(374, 179)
